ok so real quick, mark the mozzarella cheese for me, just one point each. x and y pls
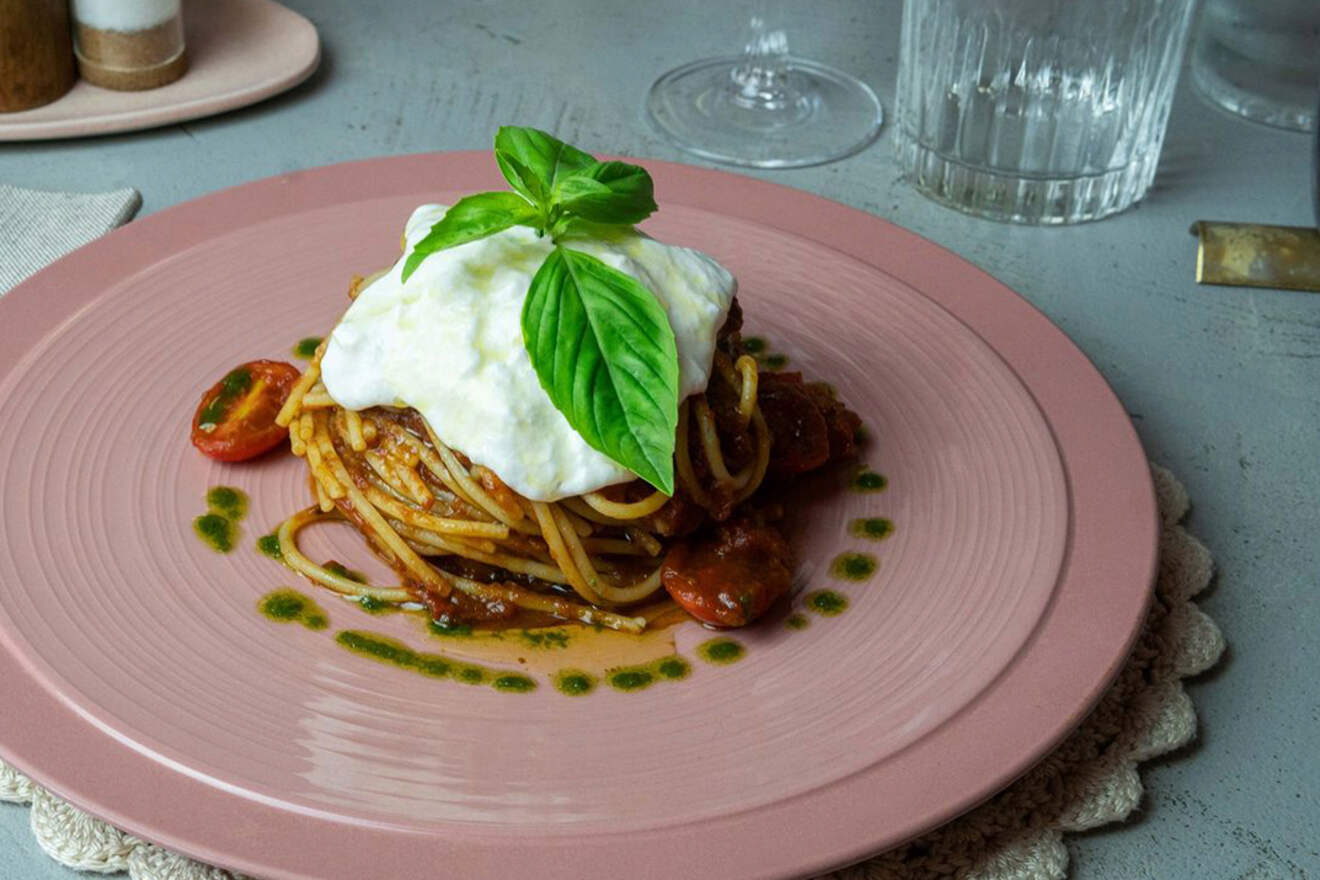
(449, 344)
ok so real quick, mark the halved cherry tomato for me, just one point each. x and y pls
(731, 576)
(236, 418)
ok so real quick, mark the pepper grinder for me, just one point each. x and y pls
(36, 56)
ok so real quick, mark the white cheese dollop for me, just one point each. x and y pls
(449, 344)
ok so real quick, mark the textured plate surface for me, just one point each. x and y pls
(239, 52)
(1003, 602)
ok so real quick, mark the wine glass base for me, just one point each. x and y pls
(831, 115)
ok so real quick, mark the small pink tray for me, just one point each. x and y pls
(239, 51)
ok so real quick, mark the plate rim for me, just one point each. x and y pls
(826, 827)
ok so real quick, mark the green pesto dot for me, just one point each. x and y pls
(216, 530)
(853, 566)
(234, 383)
(315, 621)
(631, 679)
(753, 345)
(876, 528)
(544, 638)
(372, 605)
(721, 651)
(775, 361)
(673, 668)
(350, 639)
(388, 650)
(827, 603)
(449, 628)
(869, 481)
(283, 605)
(306, 347)
(269, 545)
(340, 569)
(514, 683)
(471, 674)
(797, 620)
(574, 682)
(227, 501)
(379, 647)
(432, 666)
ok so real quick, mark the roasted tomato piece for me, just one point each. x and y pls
(681, 516)
(732, 576)
(842, 423)
(236, 417)
(799, 432)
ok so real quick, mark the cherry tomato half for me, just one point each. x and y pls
(236, 419)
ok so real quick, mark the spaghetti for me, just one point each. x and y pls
(468, 546)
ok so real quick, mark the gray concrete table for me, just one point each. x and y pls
(1222, 384)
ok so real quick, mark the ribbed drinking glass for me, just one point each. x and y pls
(1036, 111)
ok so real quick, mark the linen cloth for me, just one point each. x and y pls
(37, 228)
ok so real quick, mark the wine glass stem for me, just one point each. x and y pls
(761, 82)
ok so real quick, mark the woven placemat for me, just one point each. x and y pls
(1089, 781)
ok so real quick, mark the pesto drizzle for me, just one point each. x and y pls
(235, 384)
(853, 566)
(290, 606)
(216, 531)
(305, 348)
(636, 678)
(574, 682)
(721, 651)
(227, 501)
(869, 481)
(269, 545)
(387, 650)
(338, 568)
(875, 528)
(827, 603)
(218, 527)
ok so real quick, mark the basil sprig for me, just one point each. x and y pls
(469, 219)
(600, 343)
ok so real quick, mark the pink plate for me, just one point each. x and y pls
(143, 685)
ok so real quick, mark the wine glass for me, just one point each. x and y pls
(765, 108)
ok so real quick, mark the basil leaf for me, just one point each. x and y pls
(471, 218)
(605, 354)
(608, 192)
(522, 179)
(533, 161)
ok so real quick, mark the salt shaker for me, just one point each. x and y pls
(36, 58)
(129, 45)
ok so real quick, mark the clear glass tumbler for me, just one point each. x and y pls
(1260, 60)
(1036, 111)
